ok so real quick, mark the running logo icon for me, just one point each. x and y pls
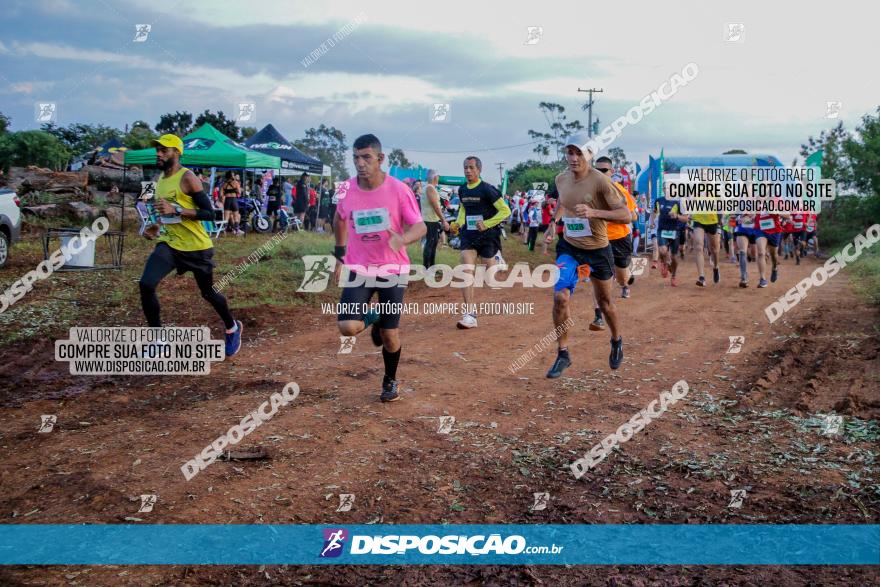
(45, 111)
(346, 500)
(533, 35)
(334, 540)
(47, 424)
(446, 423)
(639, 264)
(832, 109)
(141, 32)
(736, 344)
(346, 344)
(147, 503)
(318, 271)
(440, 113)
(541, 501)
(247, 112)
(736, 498)
(736, 32)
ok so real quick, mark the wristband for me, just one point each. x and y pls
(339, 252)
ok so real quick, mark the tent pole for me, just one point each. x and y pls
(122, 215)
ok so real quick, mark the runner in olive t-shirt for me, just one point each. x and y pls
(587, 199)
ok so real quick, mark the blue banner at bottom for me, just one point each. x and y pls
(179, 544)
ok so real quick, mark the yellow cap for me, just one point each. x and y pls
(170, 140)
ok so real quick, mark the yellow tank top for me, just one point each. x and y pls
(189, 234)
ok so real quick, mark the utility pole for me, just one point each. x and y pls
(501, 171)
(589, 108)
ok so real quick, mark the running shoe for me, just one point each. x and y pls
(774, 275)
(624, 293)
(467, 321)
(597, 324)
(653, 264)
(673, 282)
(797, 260)
(631, 280)
(762, 283)
(664, 270)
(389, 391)
(562, 362)
(701, 281)
(616, 357)
(716, 275)
(233, 339)
(743, 283)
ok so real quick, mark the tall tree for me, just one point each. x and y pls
(79, 138)
(247, 132)
(834, 161)
(398, 157)
(219, 121)
(5, 122)
(863, 154)
(327, 144)
(558, 128)
(33, 147)
(618, 158)
(140, 136)
(179, 123)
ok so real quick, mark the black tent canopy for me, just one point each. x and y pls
(272, 142)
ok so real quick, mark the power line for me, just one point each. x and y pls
(470, 150)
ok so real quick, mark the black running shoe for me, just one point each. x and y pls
(616, 357)
(631, 280)
(701, 281)
(563, 362)
(716, 275)
(389, 391)
(774, 275)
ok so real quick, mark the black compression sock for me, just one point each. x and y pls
(391, 361)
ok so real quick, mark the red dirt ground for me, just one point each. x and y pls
(744, 424)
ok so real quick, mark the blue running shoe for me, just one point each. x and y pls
(233, 339)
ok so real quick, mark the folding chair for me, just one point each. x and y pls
(217, 226)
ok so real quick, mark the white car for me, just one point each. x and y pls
(10, 222)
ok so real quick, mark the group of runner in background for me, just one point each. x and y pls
(587, 214)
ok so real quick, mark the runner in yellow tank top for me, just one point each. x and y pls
(185, 245)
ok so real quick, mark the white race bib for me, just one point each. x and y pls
(747, 223)
(668, 234)
(766, 224)
(372, 220)
(471, 221)
(173, 219)
(799, 225)
(576, 226)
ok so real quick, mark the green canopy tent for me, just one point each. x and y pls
(206, 147)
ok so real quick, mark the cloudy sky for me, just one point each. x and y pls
(390, 61)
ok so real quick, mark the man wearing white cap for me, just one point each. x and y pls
(587, 199)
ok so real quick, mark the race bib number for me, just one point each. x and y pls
(173, 219)
(799, 225)
(747, 223)
(471, 221)
(767, 224)
(668, 234)
(577, 227)
(373, 220)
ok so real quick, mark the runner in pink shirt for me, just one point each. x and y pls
(376, 218)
